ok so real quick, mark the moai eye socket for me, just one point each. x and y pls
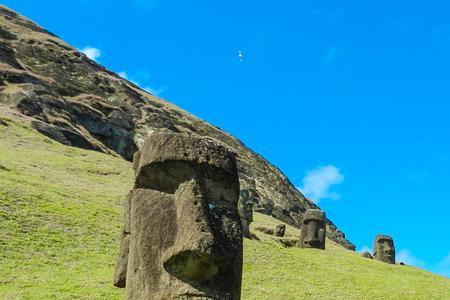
(165, 176)
(220, 186)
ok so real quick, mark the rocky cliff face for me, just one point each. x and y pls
(77, 102)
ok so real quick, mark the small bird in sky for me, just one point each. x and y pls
(240, 55)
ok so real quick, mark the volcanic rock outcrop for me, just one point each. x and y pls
(78, 102)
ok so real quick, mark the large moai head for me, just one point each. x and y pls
(383, 249)
(312, 233)
(186, 240)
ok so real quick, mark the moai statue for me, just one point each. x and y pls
(383, 249)
(280, 230)
(312, 233)
(246, 212)
(182, 223)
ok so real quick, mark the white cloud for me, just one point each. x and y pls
(331, 54)
(334, 52)
(365, 248)
(317, 183)
(123, 75)
(408, 258)
(156, 92)
(151, 90)
(443, 267)
(91, 52)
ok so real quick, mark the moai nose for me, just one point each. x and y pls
(313, 233)
(195, 255)
(388, 248)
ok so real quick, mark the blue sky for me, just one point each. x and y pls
(350, 99)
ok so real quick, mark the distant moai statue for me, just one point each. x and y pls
(280, 230)
(182, 235)
(383, 249)
(313, 230)
(265, 230)
(246, 212)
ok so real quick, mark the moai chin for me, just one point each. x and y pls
(383, 249)
(246, 212)
(182, 223)
(312, 232)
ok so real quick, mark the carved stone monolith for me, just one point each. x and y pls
(383, 249)
(183, 233)
(313, 230)
(246, 212)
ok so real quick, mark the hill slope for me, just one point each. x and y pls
(60, 218)
(77, 102)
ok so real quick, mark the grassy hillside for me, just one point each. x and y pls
(60, 217)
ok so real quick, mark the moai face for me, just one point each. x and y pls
(280, 230)
(185, 231)
(383, 249)
(312, 233)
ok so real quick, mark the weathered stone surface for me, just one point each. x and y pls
(78, 102)
(245, 212)
(3, 123)
(312, 232)
(280, 230)
(287, 242)
(185, 238)
(383, 249)
(366, 254)
(265, 230)
(120, 271)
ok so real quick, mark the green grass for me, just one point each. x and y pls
(60, 218)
